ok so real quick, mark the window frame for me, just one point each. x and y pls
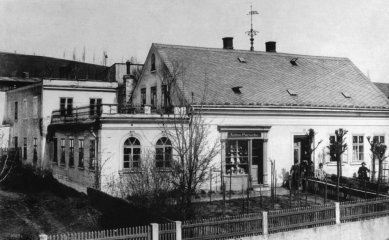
(35, 156)
(134, 144)
(62, 159)
(358, 145)
(71, 152)
(92, 154)
(143, 97)
(16, 110)
(55, 150)
(81, 154)
(25, 148)
(66, 106)
(152, 64)
(153, 97)
(164, 143)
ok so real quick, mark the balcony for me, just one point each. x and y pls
(89, 114)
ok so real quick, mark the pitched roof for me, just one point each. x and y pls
(384, 87)
(265, 78)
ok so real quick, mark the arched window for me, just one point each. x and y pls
(131, 156)
(152, 63)
(163, 153)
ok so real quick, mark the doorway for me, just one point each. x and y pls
(301, 148)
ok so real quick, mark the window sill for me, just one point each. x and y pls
(235, 174)
(353, 163)
(81, 168)
(124, 171)
(332, 164)
(153, 71)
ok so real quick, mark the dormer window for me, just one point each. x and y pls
(241, 60)
(292, 92)
(237, 89)
(152, 63)
(346, 95)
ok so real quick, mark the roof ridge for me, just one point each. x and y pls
(249, 52)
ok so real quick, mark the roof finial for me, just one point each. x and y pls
(252, 32)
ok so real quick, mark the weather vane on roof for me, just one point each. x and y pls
(252, 32)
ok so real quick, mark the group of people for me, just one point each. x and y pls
(300, 172)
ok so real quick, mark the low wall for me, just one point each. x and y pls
(373, 229)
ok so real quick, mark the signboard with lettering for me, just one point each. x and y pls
(244, 134)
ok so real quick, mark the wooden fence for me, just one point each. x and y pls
(261, 223)
(223, 227)
(304, 217)
(364, 209)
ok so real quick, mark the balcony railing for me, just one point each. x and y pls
(93, 112)
(84, 113)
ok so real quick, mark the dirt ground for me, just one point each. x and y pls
(23, 215)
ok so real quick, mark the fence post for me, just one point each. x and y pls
(265, 229)
(178, 230)
(337, 213)
(154, 231)
(43, 237)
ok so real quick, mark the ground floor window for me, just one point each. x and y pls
(358, 148)
(55, 157)
(25, 149)
(35, 157)
(163, 152)
(237, 158)
(62, 159)
(131, 153)
(92, 153)
(71, 152)
(81, 153)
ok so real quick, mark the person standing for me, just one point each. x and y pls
(362, 172)
(320, 173)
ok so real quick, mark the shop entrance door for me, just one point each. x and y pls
(257, 161)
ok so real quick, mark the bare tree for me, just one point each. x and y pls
(189, 133)
(148, 185)
(337, 148)
(378, 152)
(310, 134)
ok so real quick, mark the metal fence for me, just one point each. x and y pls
(223, 227)
(131, 233)
(303, 217)
(364, 209)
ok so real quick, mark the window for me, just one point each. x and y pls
(25, 149)
(131, 157)
(95, 106)
(358, 148)
(332, 148)
(63, 141)
(35, 107)
(152, 63)
(81, 153)
(25, 108)
(237, 156)
(153, 97)
(92, 153)
(15, 142)
(66, 106)
(16, 111)
(164, 96)
(143, 96)
(55, 157)
(71, 152)
(379, 139)
(163, 152)
(35, 157)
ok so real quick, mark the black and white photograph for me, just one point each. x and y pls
(194, 119)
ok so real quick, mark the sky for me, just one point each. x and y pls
(356, 29)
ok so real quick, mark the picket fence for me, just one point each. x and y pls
(252, 224)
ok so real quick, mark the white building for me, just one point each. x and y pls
(259, 105)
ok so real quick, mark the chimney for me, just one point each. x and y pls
(128, 64)
(228, 43)
(270, 46)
